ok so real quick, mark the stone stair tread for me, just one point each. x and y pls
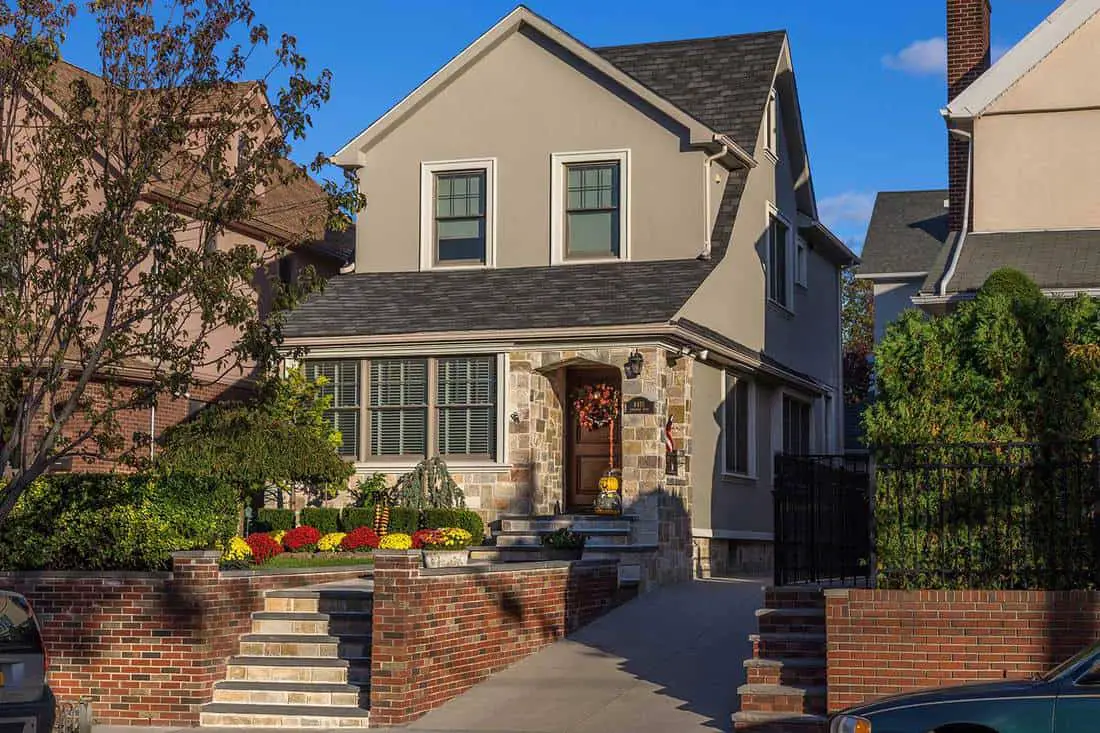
(760, 717)
(286, 686)
(294, 638)
(348, 593)
(323, 711)
(291, 661)
(307, 615)
(760, 612)
(808, 662)
(759, 689)
(536, 532)
(788, 635)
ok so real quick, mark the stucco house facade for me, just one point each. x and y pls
(541, 216)
(1023, 171)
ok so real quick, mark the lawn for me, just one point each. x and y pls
(289, 560)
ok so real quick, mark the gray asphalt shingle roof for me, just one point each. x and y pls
(723, 82)
(1059, 259)
(907, 231)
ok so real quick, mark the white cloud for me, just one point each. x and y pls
(847, 213)
(921, 58)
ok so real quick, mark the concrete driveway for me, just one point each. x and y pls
(668, 661)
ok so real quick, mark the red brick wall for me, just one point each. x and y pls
(148, 647)
(886, 642)
(438, 633)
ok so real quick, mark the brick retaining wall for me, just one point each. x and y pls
(439, 632)
(148, 647)
(885, 642)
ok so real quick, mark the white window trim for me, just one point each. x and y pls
(801, 263)
(777, 418)
(751, 473)
(771, 119)
(427, 217)
(772, 211)
(558, 162)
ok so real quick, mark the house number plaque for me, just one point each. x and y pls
(639, 406)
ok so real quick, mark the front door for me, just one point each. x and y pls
(587, 455)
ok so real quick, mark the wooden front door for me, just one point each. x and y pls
(587, 451)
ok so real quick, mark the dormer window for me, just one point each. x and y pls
(772, 122)
(589, 204)
(457, 214)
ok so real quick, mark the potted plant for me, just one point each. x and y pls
(563, 544)
(448, 547)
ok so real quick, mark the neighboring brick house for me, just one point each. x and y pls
(545, 215)
(288, 212)
(1023, 164)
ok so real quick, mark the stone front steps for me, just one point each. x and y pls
(306, 663)
(785, 689)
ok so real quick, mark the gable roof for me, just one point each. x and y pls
(1055, 260)
(722, 81)
(699, 131)
(906, 233)
(1021, 58)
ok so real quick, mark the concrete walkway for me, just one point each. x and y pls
(668, 661)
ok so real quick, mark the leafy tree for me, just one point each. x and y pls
(857, 322)
(116, 193)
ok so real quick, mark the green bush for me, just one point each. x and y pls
(462, 518)
(1013, 284)
(353, 517)
(273, 520)
(404, 520)
(323, 519)
(113, 522)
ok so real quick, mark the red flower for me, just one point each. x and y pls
(423, 537)
(263, 547)
(359, 538)
(301, 539)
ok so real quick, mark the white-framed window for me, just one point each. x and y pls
(397, 410)
(590, 206)
(738, 426)
(772, 124)
(779, 259)
(458, 214)
(797, 425)
(801, 262)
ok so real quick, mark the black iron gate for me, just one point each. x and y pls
(823, 520)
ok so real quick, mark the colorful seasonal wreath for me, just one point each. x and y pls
(596, 405)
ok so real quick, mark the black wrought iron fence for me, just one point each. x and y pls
(990, 515)
(822, 520)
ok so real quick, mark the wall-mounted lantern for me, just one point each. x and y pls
(633, 366)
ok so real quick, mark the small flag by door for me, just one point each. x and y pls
(668, 435)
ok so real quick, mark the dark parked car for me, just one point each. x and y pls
(1064, 700)
(26, 701)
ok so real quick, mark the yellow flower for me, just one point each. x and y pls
(456, 538)
(278, 536)
(330, 542)
(396, 541)
(238, 550)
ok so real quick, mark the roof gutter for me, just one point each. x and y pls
(957, 251)
(738, 152)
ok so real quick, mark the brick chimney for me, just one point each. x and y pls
(967, 58)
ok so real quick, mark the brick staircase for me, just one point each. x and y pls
(520, 538)
(306, 663)
(785, 689)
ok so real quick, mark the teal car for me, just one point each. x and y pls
(1064, 700)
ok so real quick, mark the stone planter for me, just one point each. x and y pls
(446, 558)
(556, 553)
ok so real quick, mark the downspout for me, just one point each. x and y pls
(966, 210)
(705, 254)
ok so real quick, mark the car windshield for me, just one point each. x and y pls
(18, 631)
(1072, 661)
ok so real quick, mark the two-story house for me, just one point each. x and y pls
(541, 216)
(1023, 162)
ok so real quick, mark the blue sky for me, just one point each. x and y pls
(870, 73)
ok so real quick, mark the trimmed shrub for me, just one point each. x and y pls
(273, 520)
(301, 539)
(466, 519)
(1013, 284)
(114, 522)
(354, 517)
(359, 539)
(263, 547)
(323, 519)
(404, 520)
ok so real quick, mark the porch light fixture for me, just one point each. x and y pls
(633, 366)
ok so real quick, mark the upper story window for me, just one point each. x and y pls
(457, 214)
(772, 124)
(797, 420)
(801, 262)
(779, 256)
(589, 207)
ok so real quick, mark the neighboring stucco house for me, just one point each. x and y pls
(544, 215)
(1024, 169)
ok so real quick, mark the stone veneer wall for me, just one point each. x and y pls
(147, 648)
